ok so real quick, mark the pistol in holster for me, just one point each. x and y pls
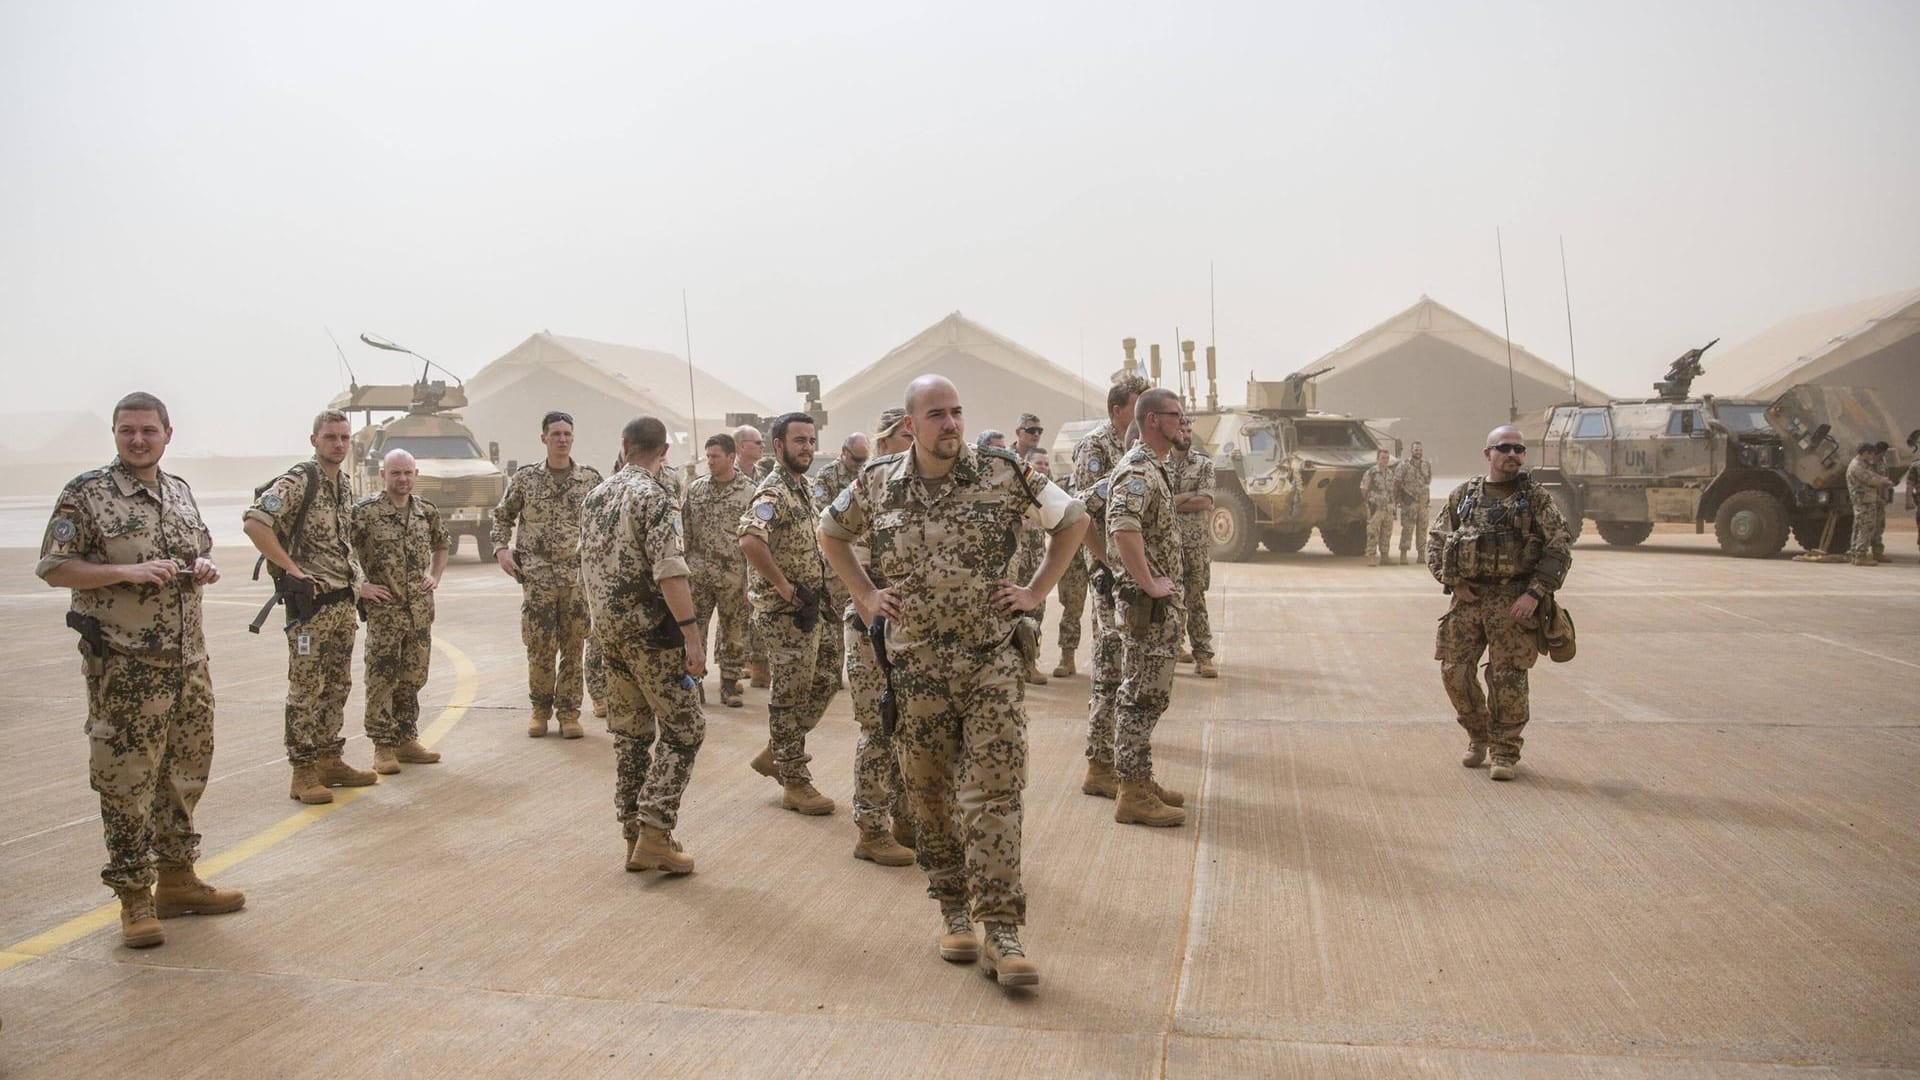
(889, 705)
(806, 612)
(302, 597)
(1103, 580)
(93, 642)
(1026, 639)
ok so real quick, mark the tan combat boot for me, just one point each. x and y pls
(757, 673)
(1065, 668)
(334, 772)
(1864, 560)
(570, 726)
(1138, 806)
(804, 799)
(876, 846)
(599, 710)
(730, 693)
(1502, 770)
(658, 850)
(1205, 668)
(1476, 755)
(307, 787)
(1374, 559)
(139, 927)
(1100, 780)
(384, 762)
(1882, 557)
(1171, 798)
(957, 942)
(1185, 657)
(762, 763)
(1035, 676)
(627, 840)
(181, 892)
(537, 722)
(1006, 959)
(412, 753)
(1403, 558)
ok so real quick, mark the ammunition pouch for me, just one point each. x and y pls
(1488, 554)
(889, 704)
(1140, 613)
(1026, 639)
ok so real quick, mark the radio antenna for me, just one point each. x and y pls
(1566, 291)
(1513, 399)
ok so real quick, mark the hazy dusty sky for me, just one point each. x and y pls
(192, 191)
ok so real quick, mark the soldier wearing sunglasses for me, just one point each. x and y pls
(1500, 546)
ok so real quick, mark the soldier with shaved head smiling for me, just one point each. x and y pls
(400, 543)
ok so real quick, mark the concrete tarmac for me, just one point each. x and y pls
(1708, 867)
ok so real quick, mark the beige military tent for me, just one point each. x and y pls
(603, 386)
(997, 378)
(1443, 377)
(1873, 343)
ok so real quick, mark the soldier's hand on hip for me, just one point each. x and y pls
(1524, 607)
(204, 572)
(875, 604)
(1010, 599)
(1464, 592)
(504, 556)
(376, 593)
(152, 572)
(1158, 587)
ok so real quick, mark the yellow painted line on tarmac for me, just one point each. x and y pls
(466, 681)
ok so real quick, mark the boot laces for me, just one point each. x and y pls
(957, 921)
(1006, 940)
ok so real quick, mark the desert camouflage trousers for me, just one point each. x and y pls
(1497, 715)
(150, 736)
(399, 647)
(730, 649)
(805, 669)
(1379, 531)
(1869, 529)
(1146, 688)
(962, 742)
(593, 668)
(657, 729)
(1413, 527)
(1196, 578)
(1105, 675)
(553, 624)
(319, 678)
(878, 794)
(1073, 603)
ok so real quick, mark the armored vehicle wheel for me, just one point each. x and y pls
(1231, 524)
(1750, 525)
(1808, 528)
(1286, 543)
(453, 544)
(1624, 533)
(485, 548)
(1348, 539)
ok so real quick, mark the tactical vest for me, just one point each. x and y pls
(1495, 539)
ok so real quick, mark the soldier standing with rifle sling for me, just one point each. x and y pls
(1094, 458)
(942, 520)
(317, 564)
(129, 541)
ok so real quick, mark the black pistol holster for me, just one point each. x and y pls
(889, 704)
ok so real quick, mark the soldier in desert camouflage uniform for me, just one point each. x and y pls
(595, 668)
(536, 538)
(402, 549)
(711, 516)
(824, 485)
(634, 573)
(941, 521)
(1027, 557)
(1094, 458)
(129, 541)
(787, 582)
(1380, 488)
(1190, 474)
(1143, 547)
(1414, 493)
(1501, 547)
(319, 650)
(1865, 487)
(750, 459)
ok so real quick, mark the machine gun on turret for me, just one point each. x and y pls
(1681, 373)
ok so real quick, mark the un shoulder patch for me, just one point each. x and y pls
(1100, 489)
(1094, 464)
(64, 531)
(1138, 485)
(676, 524)
(843, 500)
(763, 511)
(272, 503)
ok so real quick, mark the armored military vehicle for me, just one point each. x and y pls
(464, 483)
(1757, 470)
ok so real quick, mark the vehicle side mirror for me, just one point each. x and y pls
(493, 452)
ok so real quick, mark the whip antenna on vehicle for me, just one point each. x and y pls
(379, 342)
(693, 424)
(352, 379)
(1566, 291)
(1513, 400)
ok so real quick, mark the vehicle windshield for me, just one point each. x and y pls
(433, 446)
(1332, 437)
(1744, 419)
(1259, 441)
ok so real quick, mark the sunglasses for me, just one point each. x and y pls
(1033, 430)
(1508, 448)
